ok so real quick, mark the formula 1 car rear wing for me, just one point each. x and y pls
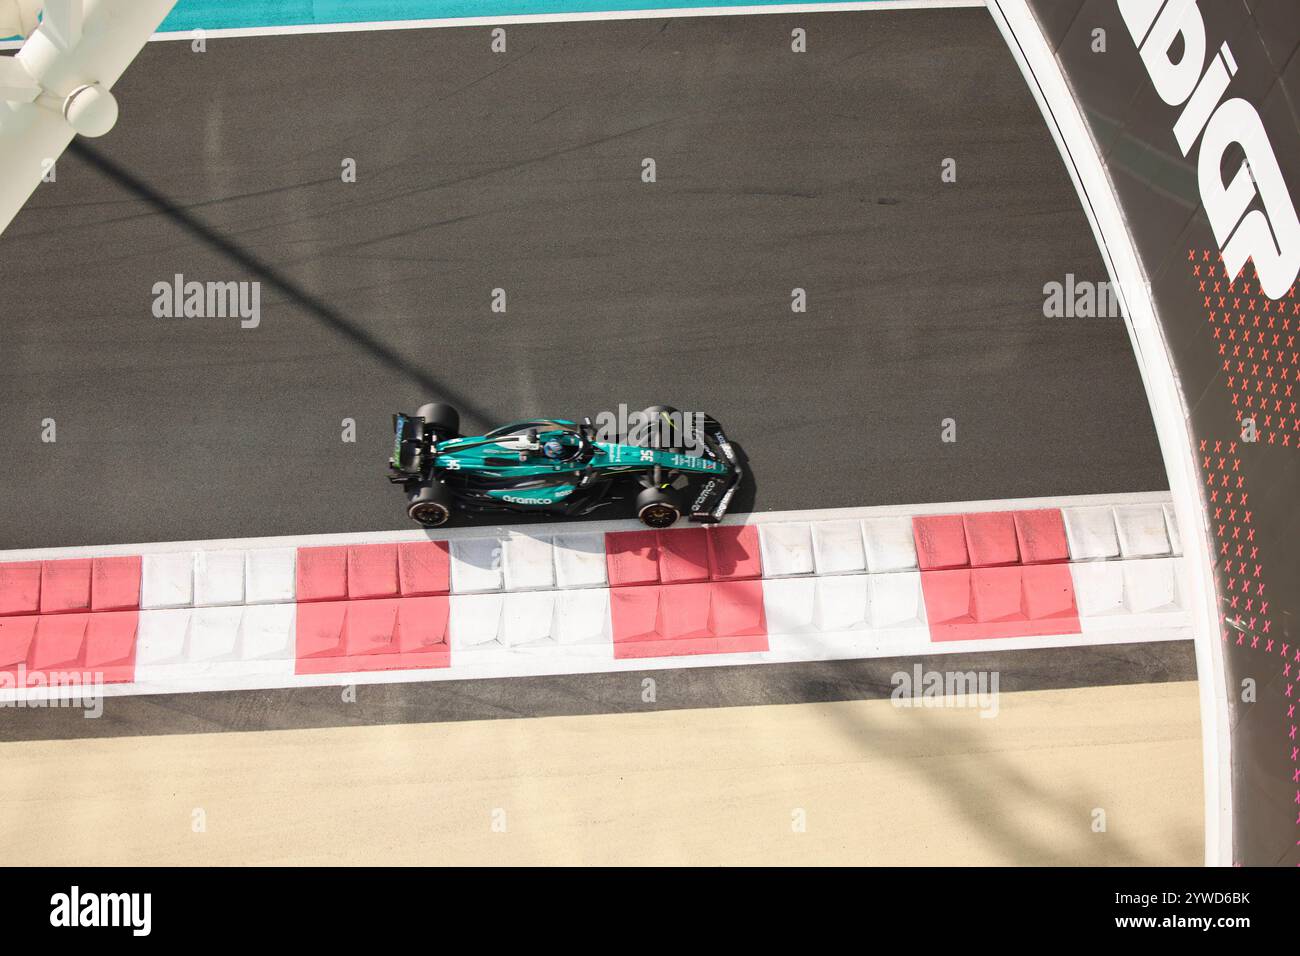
(711, 503)
(409, 449)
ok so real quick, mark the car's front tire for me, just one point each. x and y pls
(430, 505)
(658, 508)
(659, 428)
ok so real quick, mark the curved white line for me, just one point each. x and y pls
(1061, 112)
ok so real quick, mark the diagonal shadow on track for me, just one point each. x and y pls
(322, 311)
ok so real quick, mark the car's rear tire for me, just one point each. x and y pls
(658, 508)
(441, 420)
(430, 505)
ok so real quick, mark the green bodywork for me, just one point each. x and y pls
(481, 455)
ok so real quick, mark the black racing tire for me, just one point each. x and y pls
(668, 437)
(430, 505)
(442, 420)
(658, 508)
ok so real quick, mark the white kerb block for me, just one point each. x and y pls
(786, 548)
(1142, 531)
(1098, 588)
(476, 565)
(582, 616)
(580, 560)
(889, 544)
(167, 580)
(1171, 526)
(270, 575)
(528, 562)
(161, 636)
(214, 633)
(841, 603)
(475, 619)
(837, 547)
(896, 599)
(218, 578)
(1090, 533)
(790, 604)
(527, 617)
(1151, 585)
(268, 632)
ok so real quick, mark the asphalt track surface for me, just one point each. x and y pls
(522, 171)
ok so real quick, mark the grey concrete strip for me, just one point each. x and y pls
(577, 694)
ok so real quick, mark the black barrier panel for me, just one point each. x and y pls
(1235, 347)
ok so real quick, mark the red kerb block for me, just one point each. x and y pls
(991, 539)
(940, 542)
(322, 574)
(424, 568)
(632, 558)
(734, 552)
(1041, 535)
(339, 637)
(20, 587)
(65, 585)
(683, 619)
(86, 647)
(115, 583)
(683, 555)
(372, 571)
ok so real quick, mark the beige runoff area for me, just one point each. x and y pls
(859, 782)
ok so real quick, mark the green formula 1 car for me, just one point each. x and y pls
(672, 464)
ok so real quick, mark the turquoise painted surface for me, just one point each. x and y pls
(227, 14)
(218, 14)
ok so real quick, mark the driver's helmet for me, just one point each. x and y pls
(555, 449)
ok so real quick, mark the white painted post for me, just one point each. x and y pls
(58, 84)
